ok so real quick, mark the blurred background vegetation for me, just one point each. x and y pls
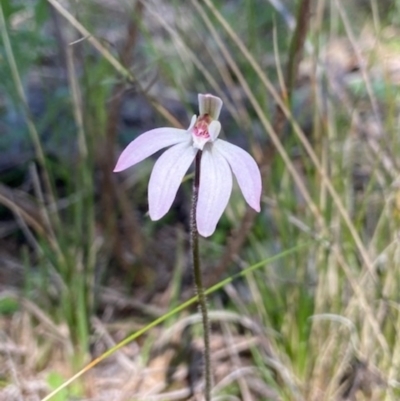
(310, 89)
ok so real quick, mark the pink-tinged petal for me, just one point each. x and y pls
(166, 177)
(245, 170)
(214, 192)
(149, 143)
(200, 132)
(199, 141)
(211, 105)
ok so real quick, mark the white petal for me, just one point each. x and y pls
(211, 105)
(214, 129)
(192, 122)
(214, 192)
(149, 143)
(166, 177)
(245, 170)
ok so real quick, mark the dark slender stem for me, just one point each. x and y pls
(198, 279)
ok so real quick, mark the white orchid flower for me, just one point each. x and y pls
(218, 161)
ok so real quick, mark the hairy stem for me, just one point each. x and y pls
(198, 279)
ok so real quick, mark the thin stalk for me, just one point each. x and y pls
(194, 235)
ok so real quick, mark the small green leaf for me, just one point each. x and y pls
(8, 306)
